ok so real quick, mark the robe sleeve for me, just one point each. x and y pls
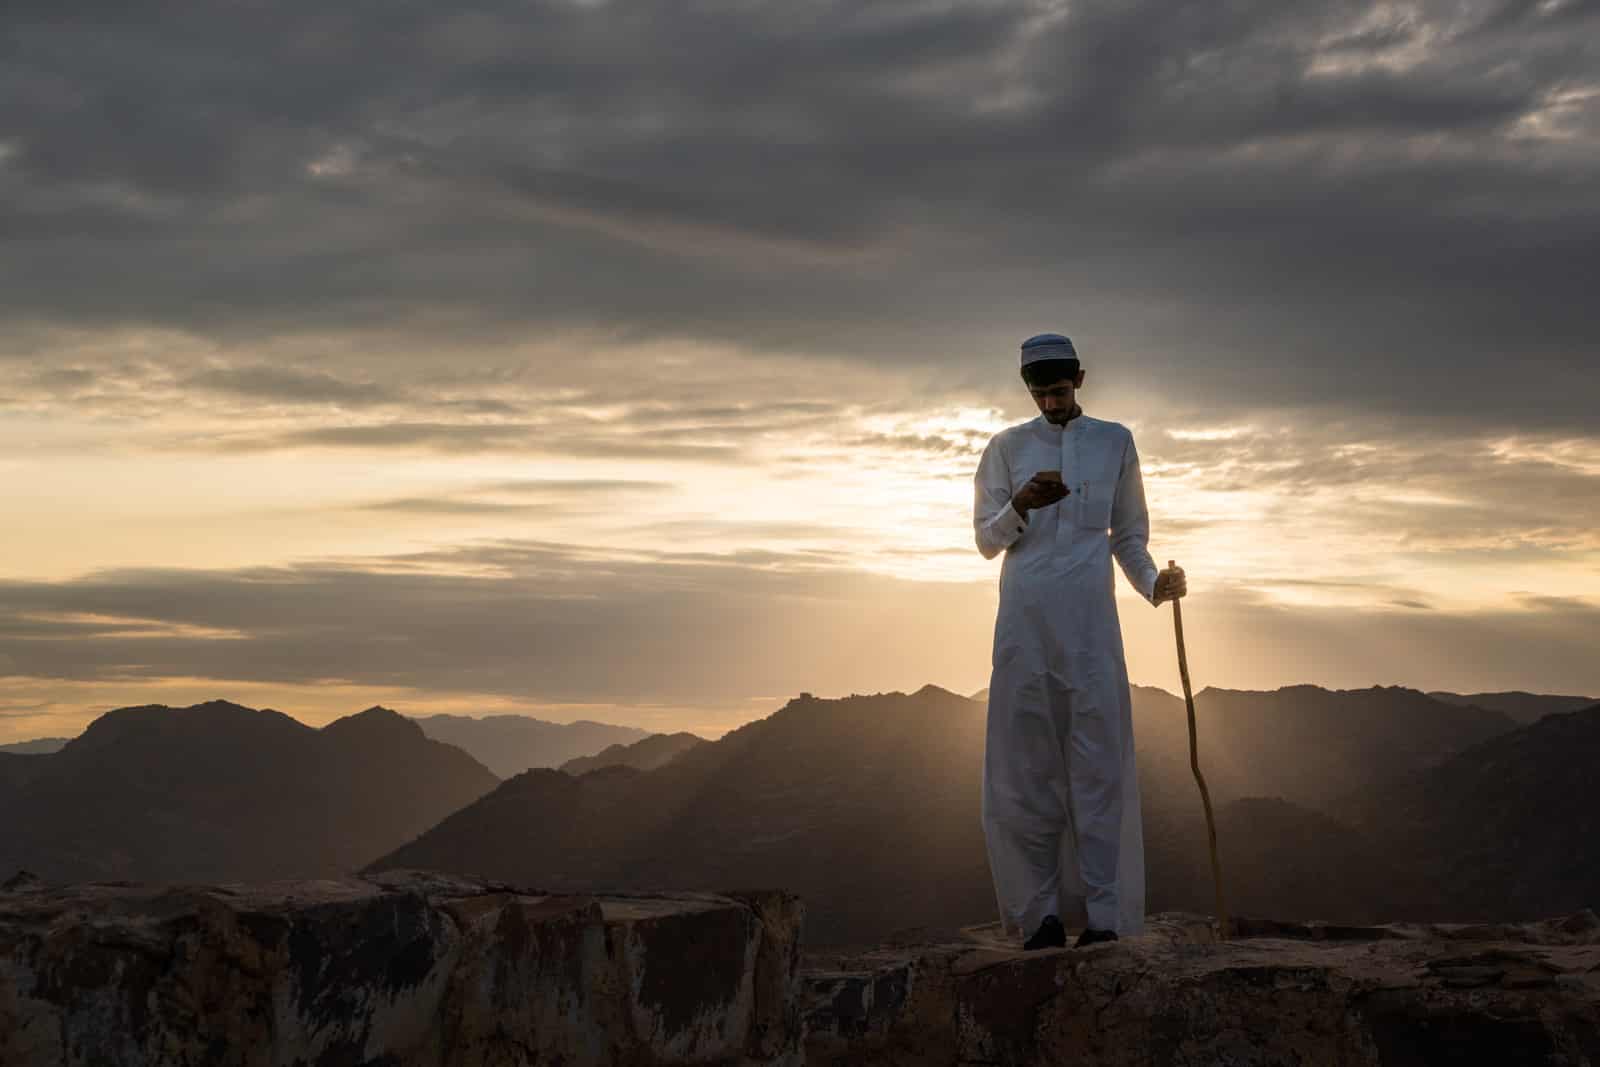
(1130, 526)
(995, 522)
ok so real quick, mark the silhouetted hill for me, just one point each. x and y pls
(645, 755)
(1500, 832)
(982, 695)
(1278, 858)
(1523, 707)
(1307, 744)
(1504, 830)
(866, 806)
(222, 792)
(511, 744)
(16, 769)
(42, 746)
(869, 808)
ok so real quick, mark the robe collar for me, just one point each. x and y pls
(1074, 420)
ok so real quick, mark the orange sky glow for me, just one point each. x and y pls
(850, 476)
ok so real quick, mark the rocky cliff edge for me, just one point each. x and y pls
(1306, 994)
(409, 969)
(405, 969)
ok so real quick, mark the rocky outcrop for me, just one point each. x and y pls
(419, 970)
(403, 970)
(1278, 993)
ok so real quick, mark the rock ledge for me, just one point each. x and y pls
(1279, 993)
(405, 969)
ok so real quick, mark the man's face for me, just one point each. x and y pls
(1056, 399)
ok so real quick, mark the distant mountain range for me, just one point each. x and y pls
(222, 792)
(1523, 707)
(40, 747)
(1348, 805)
(646, 755)
(511, 744)
(868, 807)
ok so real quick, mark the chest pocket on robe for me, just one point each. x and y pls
(1094, 502)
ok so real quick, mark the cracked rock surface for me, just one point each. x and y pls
(1277, 993)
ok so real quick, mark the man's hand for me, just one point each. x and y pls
(1038, 493)
(1170, 585)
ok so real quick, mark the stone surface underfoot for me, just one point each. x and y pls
(1278, 993)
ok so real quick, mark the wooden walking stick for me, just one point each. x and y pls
(1225, 928)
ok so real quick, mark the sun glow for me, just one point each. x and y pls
(547, 491)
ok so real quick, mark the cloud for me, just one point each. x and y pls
(547, 494)
(1321, 204)
(1232, 636)
(547, 487)
(62, 378)
(445, 506)
(286, 385)
(458, 439)
(541, 622)
(1417, 488)
(1330, 261)
(515, 618)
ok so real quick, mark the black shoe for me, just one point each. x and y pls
(1094, 937)
(1051, 934)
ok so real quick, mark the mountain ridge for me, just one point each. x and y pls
(35, 747)
(220, 791)
(644, 755)
(867, 806)
(1522, 706)
(511, 744)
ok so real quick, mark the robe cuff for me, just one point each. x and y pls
(1147, 585)
(1007, 525)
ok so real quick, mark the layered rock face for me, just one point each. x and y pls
(1278, 993)
(403, 970)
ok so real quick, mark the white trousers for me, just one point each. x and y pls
(1061, 814)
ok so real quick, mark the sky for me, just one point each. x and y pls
(631, 361)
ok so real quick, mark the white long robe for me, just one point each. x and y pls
(1060, 784)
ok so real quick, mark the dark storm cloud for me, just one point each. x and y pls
(1313, 202)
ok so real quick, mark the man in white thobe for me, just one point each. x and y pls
(1060, 785)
